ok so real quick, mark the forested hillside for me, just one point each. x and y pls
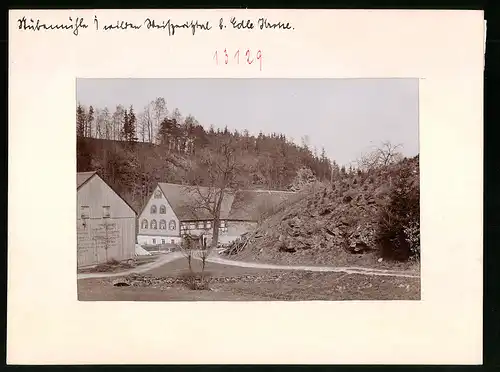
(133, 150)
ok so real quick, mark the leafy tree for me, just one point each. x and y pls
(166, 133)
(132, 125)
(129, 122)
(125, 126)
(84, 155)
(398, 231)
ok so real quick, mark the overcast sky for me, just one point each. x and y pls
(345, 116)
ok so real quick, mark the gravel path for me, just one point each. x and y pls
(219, 260)
(348, 270)
(169, 257)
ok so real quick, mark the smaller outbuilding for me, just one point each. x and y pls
(105, 222)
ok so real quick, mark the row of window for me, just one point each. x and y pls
(163, 209)
(153, 225)
(200, 225)
(163, 241)
(145, 224)
(85, 211)
(194, 225)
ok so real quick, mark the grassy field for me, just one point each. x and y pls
(232, 283)
(180, 266)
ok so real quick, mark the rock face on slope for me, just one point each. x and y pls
(327, 223)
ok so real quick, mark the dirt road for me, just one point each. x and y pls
(220, 260)
(169, 257)
(347, 270)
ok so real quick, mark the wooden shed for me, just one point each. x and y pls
(106, 223)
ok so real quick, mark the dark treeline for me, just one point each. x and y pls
(133, 150)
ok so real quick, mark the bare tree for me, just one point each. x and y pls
(146, 131)
(384, 155)
(187, 249)
(217, 173)
(177, 116)
(189, 125)
(205, 252)
(117, 120)
(305, 142)
(98, 123)
(159, 112)
(194, 247)
(141, 128)
(106, 122)
(389, 154)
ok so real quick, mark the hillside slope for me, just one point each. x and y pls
(134, 168)
(131, 169)
(329, 224)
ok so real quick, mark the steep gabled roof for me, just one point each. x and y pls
(244, 205)
(83, 177)
(187, 201)
(249, 205)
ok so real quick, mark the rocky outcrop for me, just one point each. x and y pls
(330, 221)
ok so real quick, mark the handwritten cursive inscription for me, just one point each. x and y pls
(121, 25)
(75, 24)
(242, 25)
(32, 25)
(171, 27)
(264, 23)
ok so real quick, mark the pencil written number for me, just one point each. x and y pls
(238, 57)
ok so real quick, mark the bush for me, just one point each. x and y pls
(398, 231)
(349, 195)
(412, 232)
(304, 177)
(195, 281)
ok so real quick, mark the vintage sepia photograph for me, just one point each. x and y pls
(269, 187)
(247, 189)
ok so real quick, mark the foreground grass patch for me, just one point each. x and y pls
(269, 285)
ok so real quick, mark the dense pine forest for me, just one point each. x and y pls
(132, 150)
